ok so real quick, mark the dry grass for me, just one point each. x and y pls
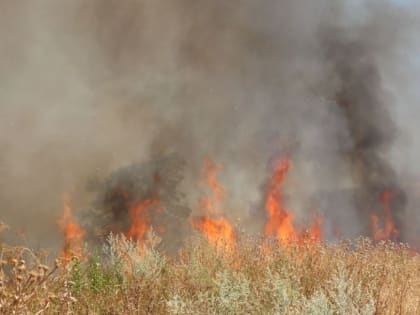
(125, 278)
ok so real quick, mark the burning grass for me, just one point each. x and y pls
(291, 270)
(128, 277)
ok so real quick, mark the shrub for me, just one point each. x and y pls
(129, 277)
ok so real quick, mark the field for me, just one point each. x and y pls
(252, 277)
(210, 157)
(216, 270)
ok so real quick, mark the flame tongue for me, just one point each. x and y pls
(217, 229)
(389, 229)
(280, 219)
(72, 232)
(211, 204)
(140, 218)
(315, 232)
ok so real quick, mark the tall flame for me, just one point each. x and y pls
(389, 230)
(280, 219)
(72, 232)
(140, 218)
(217, 229)
(212, 204)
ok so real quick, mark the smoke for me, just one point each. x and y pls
(160, 179)
(90, 88)
(365, 108)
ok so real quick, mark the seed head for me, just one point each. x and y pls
(44, 268)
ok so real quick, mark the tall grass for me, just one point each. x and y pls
(124, 277)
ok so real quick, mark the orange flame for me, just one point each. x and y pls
(389, 229)
(219, 232)
(280, 219)
(314, 233)
(140, 218)
(217, 229)
(72, 232)
(211, 204)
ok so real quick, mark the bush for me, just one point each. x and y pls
(130, 277)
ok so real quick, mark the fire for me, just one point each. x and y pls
(72, 232)
(389, 229)
(314, 233)
(217, 229)
(280, 219)
(219, 232)
(140, 218)
(211, 204)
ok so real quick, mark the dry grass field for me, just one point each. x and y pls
(254, 277)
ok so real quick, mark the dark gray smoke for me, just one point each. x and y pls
(160, 179)
(90, 87)
(366, 110)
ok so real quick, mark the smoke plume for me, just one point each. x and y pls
(365, 108)
(99, 96)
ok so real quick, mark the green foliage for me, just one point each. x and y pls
(96, 274)
(77, 278)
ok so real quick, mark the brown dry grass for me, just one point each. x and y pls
(357, 277)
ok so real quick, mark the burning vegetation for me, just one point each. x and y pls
(222, 152)
(73, 233)
(139, 216)
(137, 278)
(280, 223)
(388, 230)
(217, 229)
(211, 219)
